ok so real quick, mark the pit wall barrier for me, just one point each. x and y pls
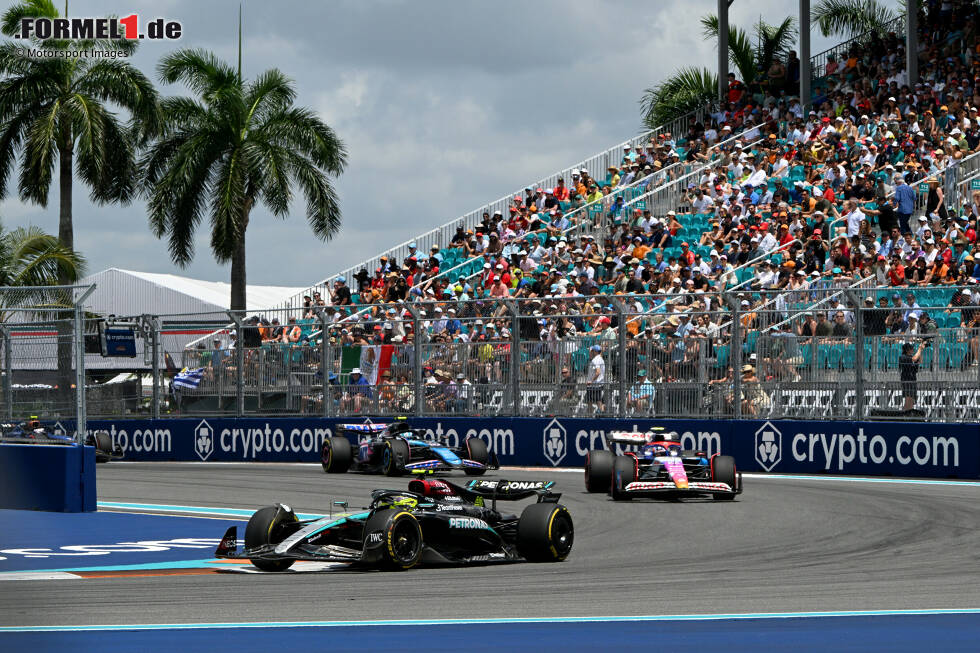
(54, 478)
(916, 449)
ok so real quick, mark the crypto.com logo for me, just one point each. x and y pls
(77, 29)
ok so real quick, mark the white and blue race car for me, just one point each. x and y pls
(396, 448)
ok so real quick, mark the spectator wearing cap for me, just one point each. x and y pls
(641, 395)
(597, 379)
(905, 197)
(358, 392)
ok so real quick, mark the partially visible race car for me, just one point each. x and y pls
(33, 432)
(660, 468)
(395, 448)
(433, 522)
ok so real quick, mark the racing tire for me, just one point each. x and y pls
(394, 457)
(270, 525)
(598, 470)
(723, 471)
(335, 455)
(401, 534)
(103, 446)
(477, 451)
(545, 533)
(624, 473)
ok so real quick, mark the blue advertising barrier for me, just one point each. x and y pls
(56, 478)
(786, 446)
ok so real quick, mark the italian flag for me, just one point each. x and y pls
(372, 359)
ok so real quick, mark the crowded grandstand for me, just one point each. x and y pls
(760, 250)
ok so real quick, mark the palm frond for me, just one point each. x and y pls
(10, 23)
(849, 18)
(741, 52)
(684, 91)
(775, 41)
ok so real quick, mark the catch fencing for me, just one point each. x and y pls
(816, 351)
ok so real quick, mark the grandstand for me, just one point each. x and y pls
(695, 252)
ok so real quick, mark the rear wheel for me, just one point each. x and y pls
(335, 455)
(598, 470)
(397, 536)
(270, 525)
(394, 457)
(476, 450)
(723, 471)
(545, 533)
(624, 473)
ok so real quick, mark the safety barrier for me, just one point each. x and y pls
(923, 449)
(54, 478)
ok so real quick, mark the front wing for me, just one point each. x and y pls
(654, 488)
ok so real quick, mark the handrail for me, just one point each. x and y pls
(814, 305)
(759, 258)
(819, 60)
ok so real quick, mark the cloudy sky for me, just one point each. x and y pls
(443, 106)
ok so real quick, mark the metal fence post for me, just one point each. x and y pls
(735, 355)
(515, 356)
(621, 344)
(8, 370)
(239, 365)
(859, 361)
(154, 324)
(416, 357)
(78, 338)
(324, 362)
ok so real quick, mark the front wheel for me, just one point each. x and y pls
(270, 525)
(598, 470)
(393, 539)
(545, 533)
(394, 457)
(335, 455)
(477, 451)
(723, 471)
(624, 473)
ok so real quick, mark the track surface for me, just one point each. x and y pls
(784, 545)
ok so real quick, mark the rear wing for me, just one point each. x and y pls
(513, 490)
(655, 434)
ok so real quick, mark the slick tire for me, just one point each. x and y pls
(598, 470)
(723, 471)
(545, 533)
(270, 525)
(394, 457)
(624, 473)
(103, 446)
(335, 455)
(477, 451)
(400, 546)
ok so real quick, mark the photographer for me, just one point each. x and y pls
(908, 367)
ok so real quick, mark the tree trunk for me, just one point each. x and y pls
(65, 396)
(238, 280)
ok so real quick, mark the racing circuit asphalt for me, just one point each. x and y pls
(785, 545)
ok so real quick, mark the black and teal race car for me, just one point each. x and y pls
(433, 522)
(396, 448)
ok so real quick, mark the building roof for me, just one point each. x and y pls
(129, 292)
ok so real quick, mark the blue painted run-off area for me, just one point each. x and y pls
(951, 632)
(60, 541)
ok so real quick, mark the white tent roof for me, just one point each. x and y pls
(128, 292)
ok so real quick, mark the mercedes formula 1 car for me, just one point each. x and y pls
(396, 448)
(32, 432)
(434, 522)
(660, 468)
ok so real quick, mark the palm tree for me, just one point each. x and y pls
(62, 109)
(691, 88)
(234, 145)
(850, 18)
(30, 260)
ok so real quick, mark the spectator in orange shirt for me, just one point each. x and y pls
(686, 255)
(561, 191)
